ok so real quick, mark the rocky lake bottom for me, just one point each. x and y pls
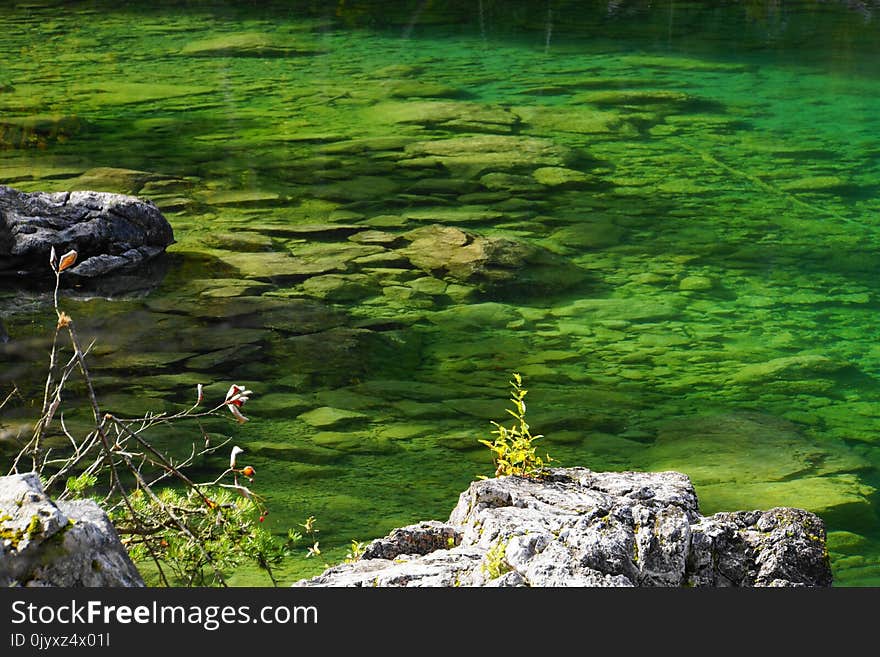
(672, 236)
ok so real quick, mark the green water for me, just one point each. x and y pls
(699, 183)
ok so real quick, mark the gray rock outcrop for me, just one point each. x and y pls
(110, 232)
(46, 543)
(575, 527)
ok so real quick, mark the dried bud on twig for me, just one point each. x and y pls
(67, 261)
(234, 455)
(236, 396)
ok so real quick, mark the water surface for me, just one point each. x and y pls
(696, 186)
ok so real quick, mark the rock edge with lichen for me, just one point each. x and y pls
(575, 527)
(69, 544)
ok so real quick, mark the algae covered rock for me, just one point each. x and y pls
(585, 235)
(841, 498)
(635, 97)
(818, 184)
(695, 283)
(407, 88)
(789, 368)
(119, 180)
(273, 266)
(326, 416)
(445, 251)
(46, 543)
(249, 44)
(560, 177)
(472, 155)
(580, 120)
(576, 527)
(238, 241)
(340, 287)
(448, 114)
(115, 92)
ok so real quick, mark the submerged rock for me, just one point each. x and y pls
(326, 416)
(559, 177)
(123, 92)
(789, 368)
(37, 130)
(340, 288)
(46, 543)
(580, 120)
(274, 266)
(445, 251)
(419, 89)
(250, 44)
(471, 156)
(818, 184)
(695, 283)
(110, 232)
(754, 458)
(125, 181)
(585, 235)
(575, 527)
(447, 114)
(639, 97)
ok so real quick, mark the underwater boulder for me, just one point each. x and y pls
(472, 156)
(251, 44)
(497, 262)
(452, 115)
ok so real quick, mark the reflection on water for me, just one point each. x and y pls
(662, 214)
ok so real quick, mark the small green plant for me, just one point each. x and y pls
(513, 447)
(310, 529)
(221, 534)
(495, 564)
(355, 551)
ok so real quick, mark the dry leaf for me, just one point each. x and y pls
(67, 260)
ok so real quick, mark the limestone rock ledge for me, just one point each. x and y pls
(46, 543)
(575, 527)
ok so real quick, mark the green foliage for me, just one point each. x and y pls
(80, 484)
(221, 534)
(355, 551)
(513, 448)
(495, 564)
